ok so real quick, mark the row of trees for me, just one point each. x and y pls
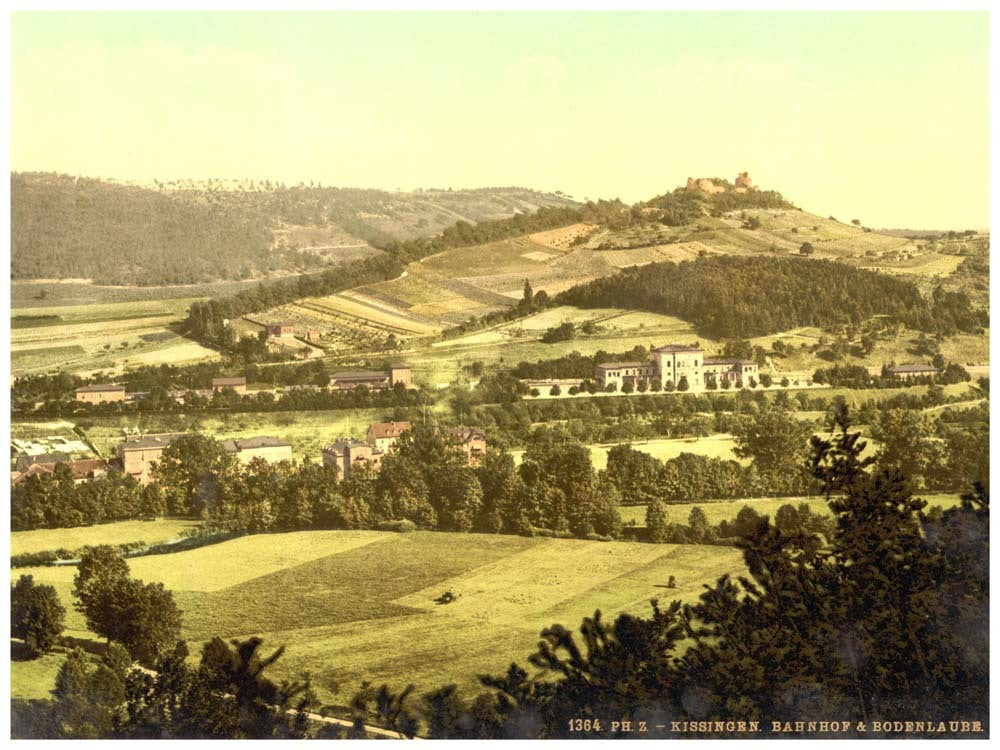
(857, 376)
(733, 296)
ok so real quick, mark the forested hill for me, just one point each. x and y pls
(69, 227)
(738, 296)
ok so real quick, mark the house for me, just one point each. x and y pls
(732, 370)
(271, 449)
(82, 470)
(383, 435)
(100, 394)
(280, 330)
(347, 454)
(399, 373)
(138, 454)
(313, 336)
(670, 366)
(470, 440)
(237, 384)
(908, 372)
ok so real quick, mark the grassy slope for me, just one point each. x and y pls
(368, 612)
(727, 510)
(160, 530)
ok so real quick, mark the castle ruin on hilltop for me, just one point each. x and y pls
(743, 184)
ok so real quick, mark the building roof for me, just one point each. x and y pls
(466, 434)
(84, 468)
(339, 446)
(260, 441)
(24, 460)
(228, 381)
(728, 361)
(615, 365)
(280, 324)
(400, 366)
(142, 442)
(913, 368)
(360, 375)
(379, 430)
(100, 388)
(678, 348)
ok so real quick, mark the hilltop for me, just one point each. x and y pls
(65, 227)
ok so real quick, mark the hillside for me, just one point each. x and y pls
(65, 227)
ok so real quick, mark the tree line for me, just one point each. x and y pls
(737, 297)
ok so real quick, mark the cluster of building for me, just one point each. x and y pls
(138, 454)
(399, 373)
(347, 454)
(82, 469)
(281, 339)
(670, 365)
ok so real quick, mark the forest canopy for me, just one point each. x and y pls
(738, 297)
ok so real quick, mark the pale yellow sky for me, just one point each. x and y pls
(876, 116)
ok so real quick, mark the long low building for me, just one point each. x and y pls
(271, 449)
(100, 394)
(399, 373)
(82, 470)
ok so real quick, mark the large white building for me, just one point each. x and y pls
(675, 366)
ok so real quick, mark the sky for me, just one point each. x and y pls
(877, 116)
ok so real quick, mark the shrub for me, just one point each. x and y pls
(402, 526)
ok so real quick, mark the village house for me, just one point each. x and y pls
(732, 370)
(82, 470)
(280, 330)
(138, 454)
(347, 454)
(383, 435)
(399, 373)
(671, 366)
(271, 449)
(908, 372)
(100, 394)
(237, 384)
(470, 440)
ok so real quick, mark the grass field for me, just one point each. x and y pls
(713, 446)
(34, 679)
(160, 530)
(360, 605)
(99, 336)
(727, 510)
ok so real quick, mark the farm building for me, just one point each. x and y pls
(271, 449)
(280, 330)
(399, 373)
(313, 335)
(237, 384)
(471, 441)
(82, 470)
(346, 454)
(668, 366)
(100, 394)
(383, 435)
(138, 454)
(907, 372)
